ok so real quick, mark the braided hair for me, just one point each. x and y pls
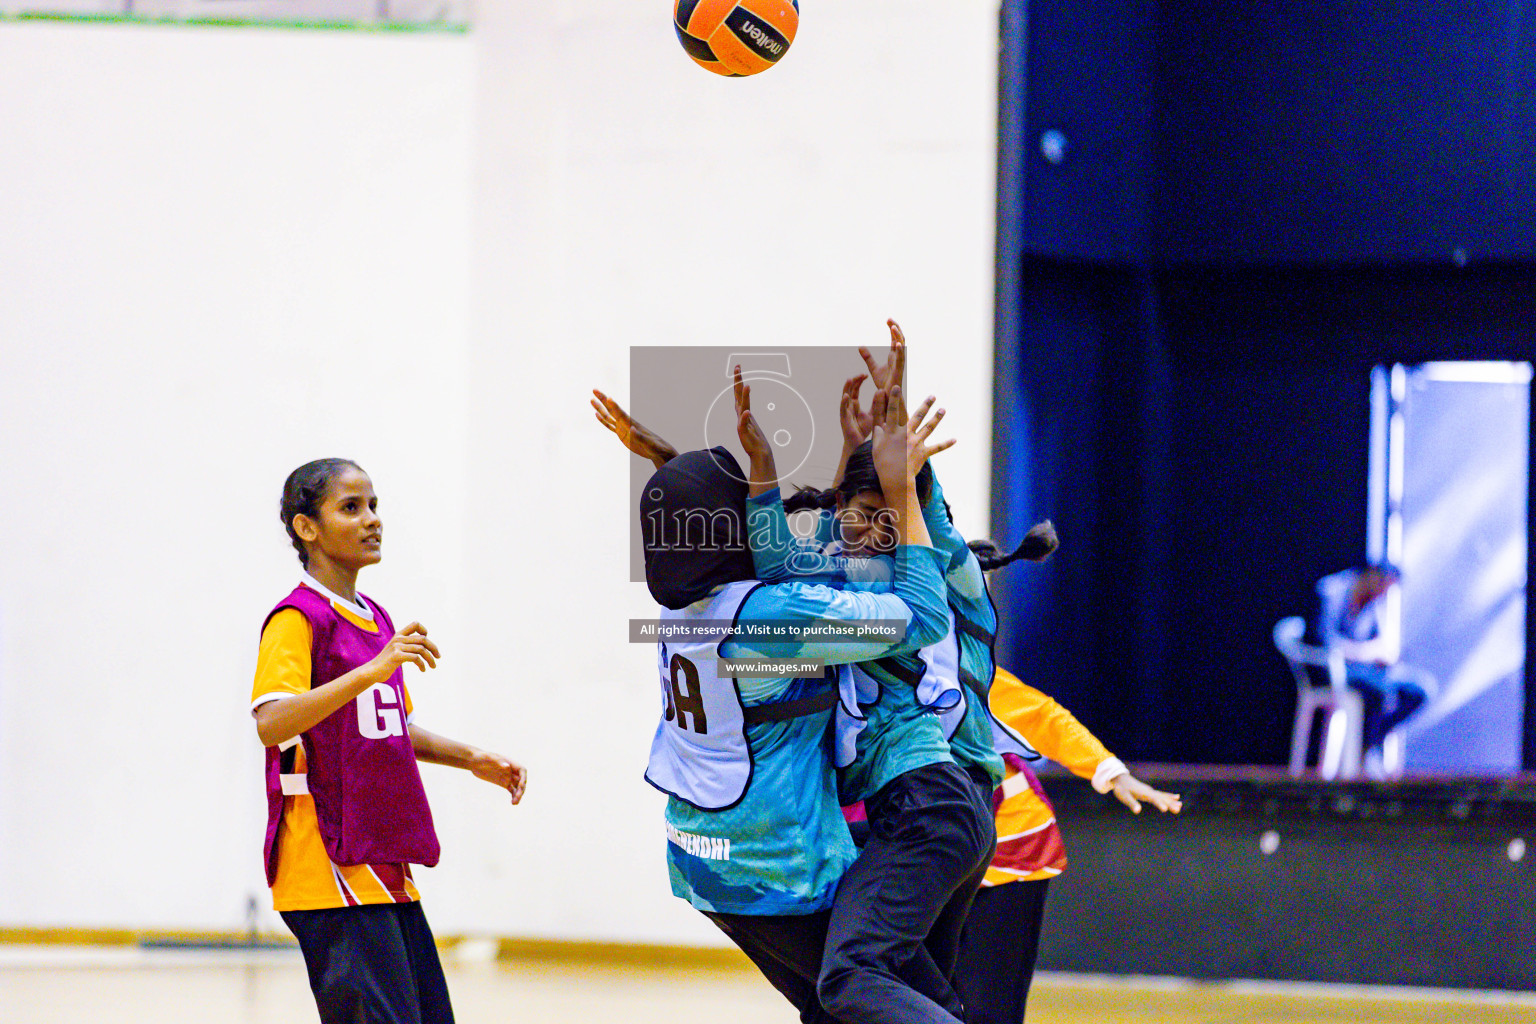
(303, 493)
(1037, 546)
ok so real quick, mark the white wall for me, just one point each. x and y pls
(626, 197)
(619, 196)
(221, 254)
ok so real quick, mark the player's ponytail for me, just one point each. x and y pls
(811, 498)
(1037, 546)
(303, 493)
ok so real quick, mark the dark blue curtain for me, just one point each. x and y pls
(1246, 216)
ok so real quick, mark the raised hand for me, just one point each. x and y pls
(901, 445)
(763, 474)
(883, 376)
(1131, 791)
(920, 427)
(856, 423)
(632, 435)
(899, 451)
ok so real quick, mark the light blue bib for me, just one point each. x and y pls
(937, 687)
(1004, 739)
(700, 753)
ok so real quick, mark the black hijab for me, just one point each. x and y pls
(693, 521)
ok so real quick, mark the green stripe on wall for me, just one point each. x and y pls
(439, 28)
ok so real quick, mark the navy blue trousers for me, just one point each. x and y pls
(1389, 695)
(788, 951)
(374, 964)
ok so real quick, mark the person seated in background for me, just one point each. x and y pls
(1360, 616)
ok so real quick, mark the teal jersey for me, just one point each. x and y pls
(966, 587)
(901, 734)
(782, 848)
(785, 845)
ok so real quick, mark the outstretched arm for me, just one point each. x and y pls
(915, 599)
(1131, 791)
(499, 771)
(1057, 734)
(631, 434)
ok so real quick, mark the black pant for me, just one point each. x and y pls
(997, 952)
(787, 950)
(895, 929)
(374, 964)
(944, 940)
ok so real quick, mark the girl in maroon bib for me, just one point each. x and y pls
(343, 788)
(362, 766)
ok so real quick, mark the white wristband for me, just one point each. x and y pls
(1105, 774)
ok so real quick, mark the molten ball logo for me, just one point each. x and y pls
(736, 37)
(764, 40)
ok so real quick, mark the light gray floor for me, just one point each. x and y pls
(84, 985)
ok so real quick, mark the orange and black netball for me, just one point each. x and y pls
(736, 37)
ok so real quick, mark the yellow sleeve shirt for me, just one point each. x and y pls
(1029, 844)
(306, 878)
(1052, 730)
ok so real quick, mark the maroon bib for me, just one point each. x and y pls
(368, 795)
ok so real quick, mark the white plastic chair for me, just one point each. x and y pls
(1326, 691)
